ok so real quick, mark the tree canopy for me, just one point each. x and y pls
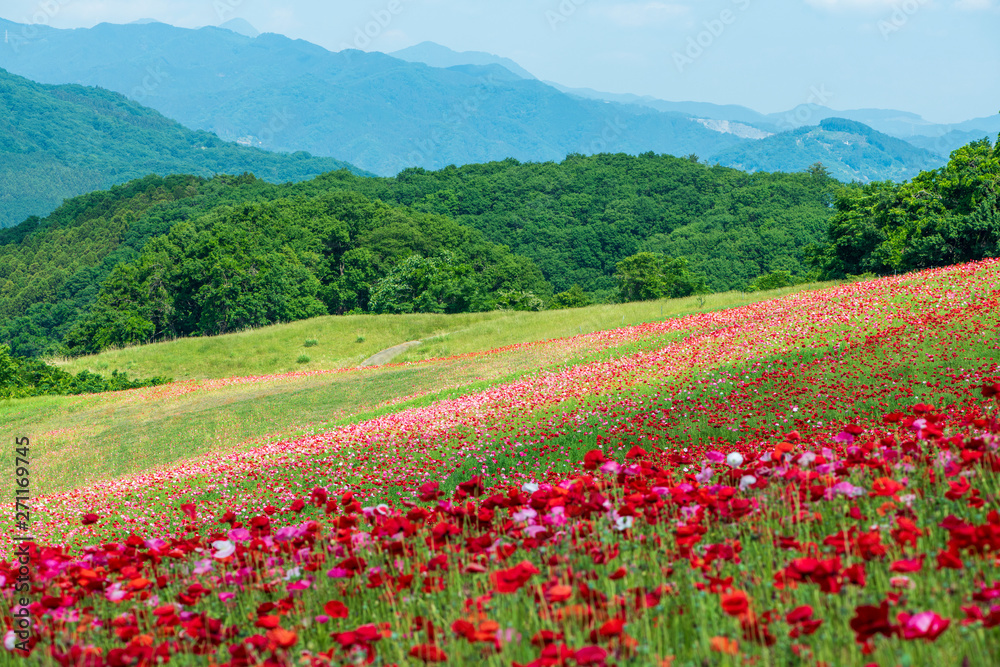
(941, 217)
(251, 265)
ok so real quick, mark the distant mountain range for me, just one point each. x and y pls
(936, 137)
(57, 142)
(378, 112)
(436, 55)
(428, 106)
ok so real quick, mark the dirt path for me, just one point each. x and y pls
(388, 354)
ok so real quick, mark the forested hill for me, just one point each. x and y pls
(941, 217)
(578, 218)
(57, 142)
(179, 256)
(183, 255)
(851, 151)
(567, 223)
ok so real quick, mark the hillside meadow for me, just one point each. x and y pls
(243, 389)
(809, 479)
(348, 340)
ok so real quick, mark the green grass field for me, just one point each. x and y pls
(79, 440)
(348, 340)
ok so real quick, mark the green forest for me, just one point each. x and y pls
(159, 258)
(577, 219)
(941, 217)
(165, 257)
(254, 264)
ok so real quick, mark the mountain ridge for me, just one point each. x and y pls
(62, 141)
(869, 155)
(385, 114)
(380, 113)
(436, 55)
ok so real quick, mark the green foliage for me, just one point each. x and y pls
(310, 342)
(303, 359)
(574, 297)
(20, 378)
(250, 265)
(773, 280)
(941, 217)
(428, 285)
(519, 300)
(646, 276)
(578, 218)
(206, 256)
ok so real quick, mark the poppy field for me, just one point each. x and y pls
(812, 480)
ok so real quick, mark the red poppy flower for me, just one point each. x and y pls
(590, 655)
(336, 609)
(636, 452)
(724, 645)
(593, 458)
(559, 593)
(869, 621)
(735, 603)
(283, 638)
(949, 560)
(908, 565)
(886, 486)
(511, 580)
(957, 489)
(611, 628)
(545, 637)
(428, 653)
(268, 621)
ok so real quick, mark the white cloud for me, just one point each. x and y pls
(639, 14)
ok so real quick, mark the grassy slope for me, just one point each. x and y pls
(275, 349)
(82, 439)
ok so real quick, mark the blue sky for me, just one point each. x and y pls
(938, 58)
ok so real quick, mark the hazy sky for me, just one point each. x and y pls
(938, 58)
